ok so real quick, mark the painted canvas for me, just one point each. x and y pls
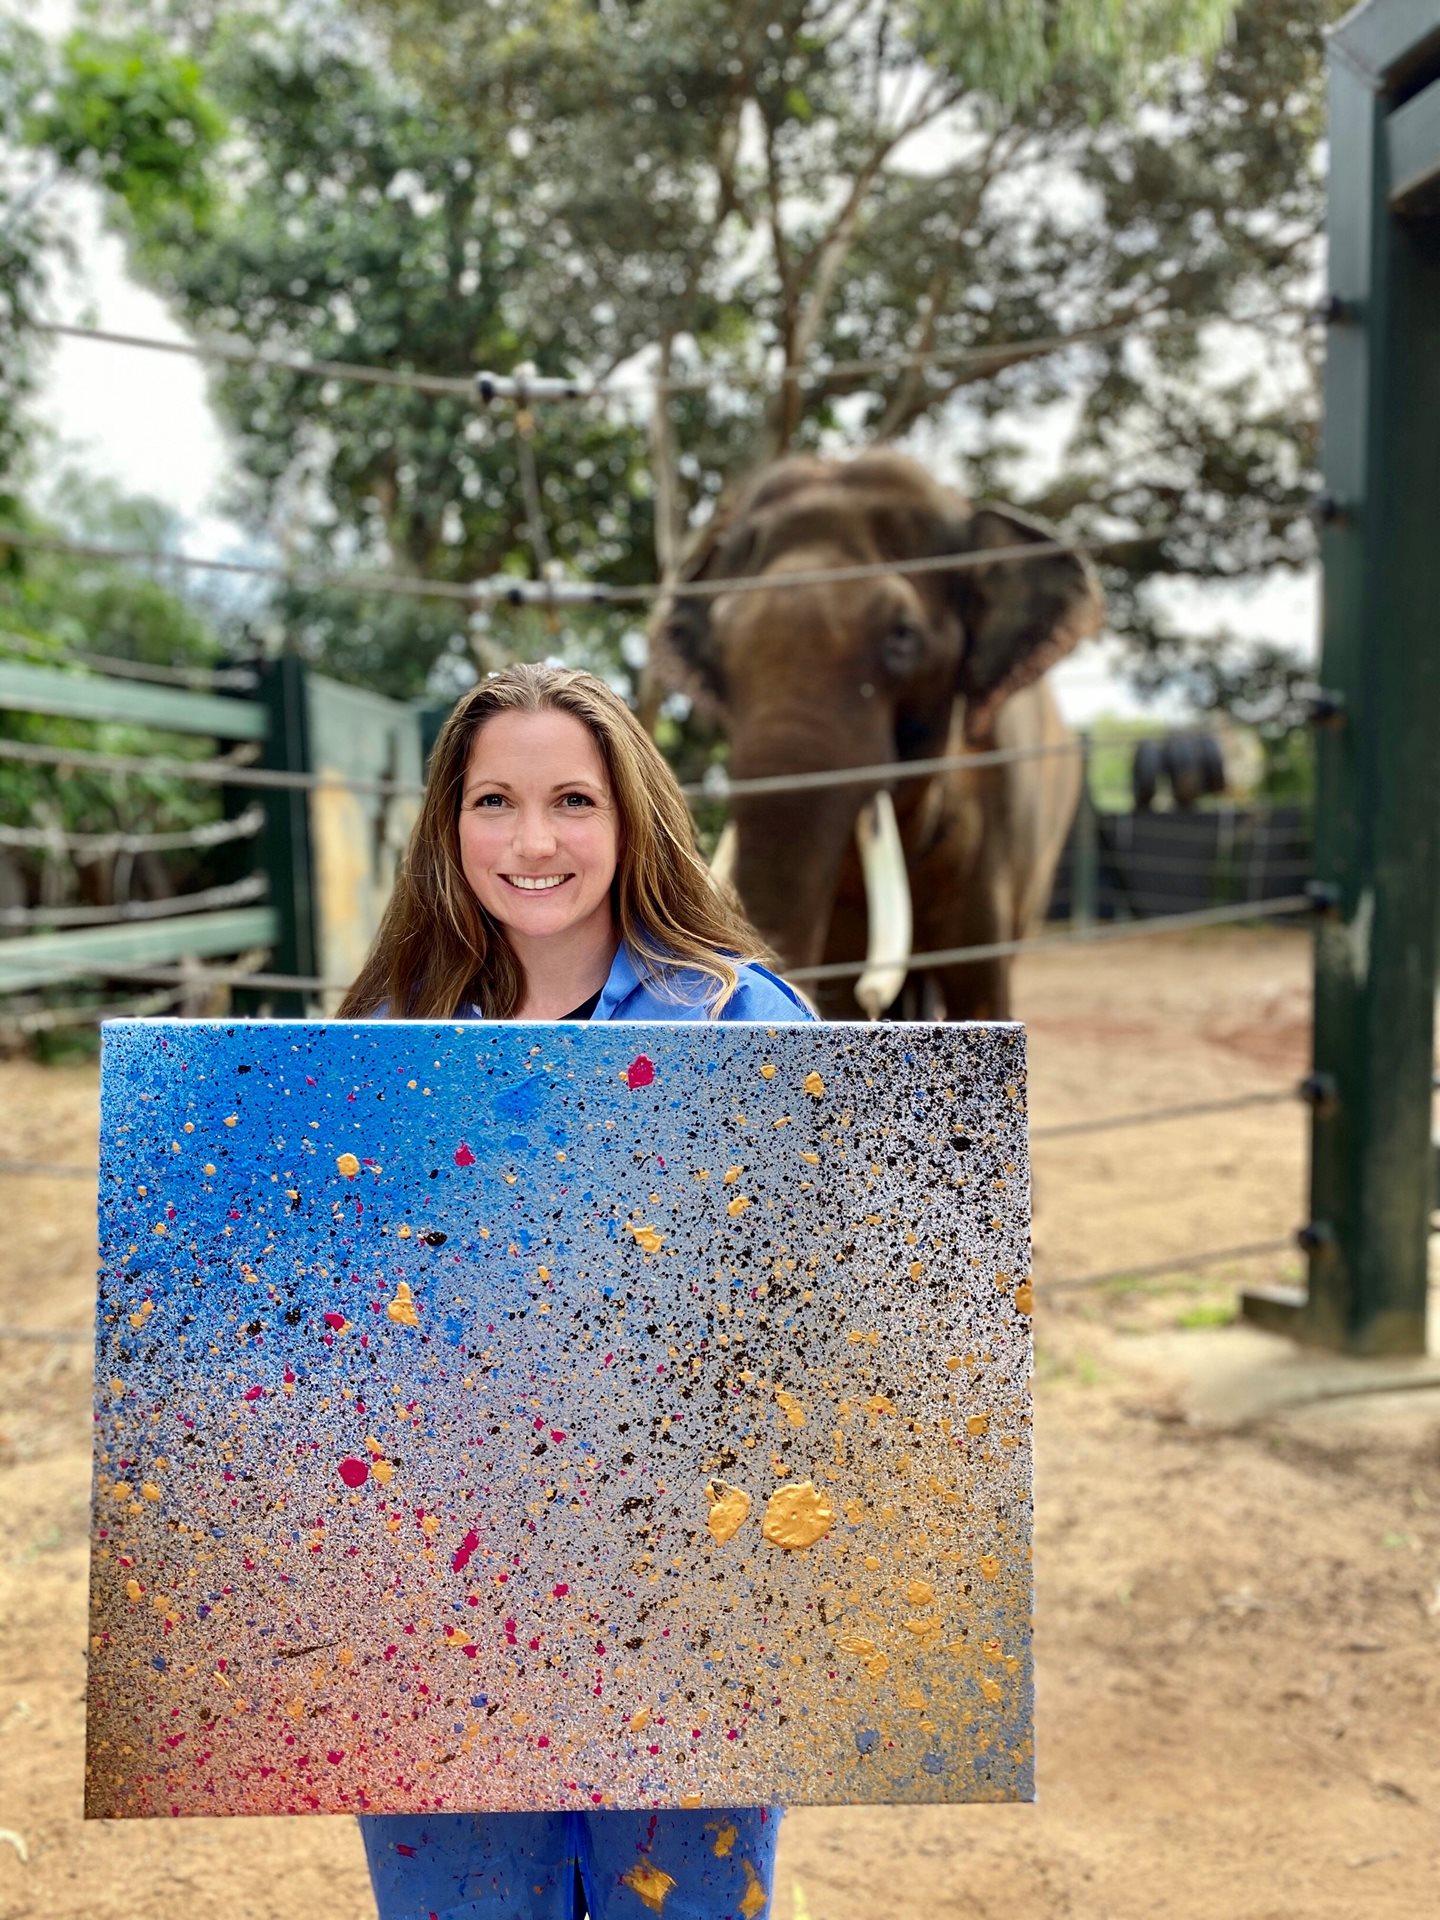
(502, 1416)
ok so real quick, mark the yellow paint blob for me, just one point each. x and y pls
(725, 1834)
(402, 1232)
(402, 1309)
(990, 1565)
(917, 1271)
(651, 1883)
(813, 1084)
(1025, 1297)
(977, 1424)
(348, 1165)
(728, 1509)
(791, 1407)
(150, 1490)
(797, 1516)
(383, 1472)
(209, 1171)
(811, 1159)
(767, 1072)
(134, 1590)
(736, 1206)
(639, 1721)
(991, 1691)
(992, 1649)
(732, 1174)
(232, 1119)
(646, 1238)
(754, 1899)
(919, 1593)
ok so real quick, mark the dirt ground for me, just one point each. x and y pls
(1239, 1579)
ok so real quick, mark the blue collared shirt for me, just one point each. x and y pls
(630, 993)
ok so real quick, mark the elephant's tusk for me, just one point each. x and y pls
(887, 900)
(722, 867)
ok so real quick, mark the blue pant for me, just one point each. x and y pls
(709, 1864)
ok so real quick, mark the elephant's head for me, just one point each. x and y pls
(855, 673)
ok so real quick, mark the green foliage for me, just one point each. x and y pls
(132, 115)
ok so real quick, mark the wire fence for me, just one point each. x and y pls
(553, 593)
(527, 387)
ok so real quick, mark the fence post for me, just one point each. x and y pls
(1087, 846)
(1377, 838)
(285, 845)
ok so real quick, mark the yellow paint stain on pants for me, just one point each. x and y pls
(754, 1899)
(725, 1836)
(650, 1883)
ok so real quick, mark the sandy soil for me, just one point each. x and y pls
(1239, 1581)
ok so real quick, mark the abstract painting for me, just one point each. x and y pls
(505, 1416)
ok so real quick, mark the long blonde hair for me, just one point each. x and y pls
(437, 947)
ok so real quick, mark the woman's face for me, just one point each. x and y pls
(539, 833)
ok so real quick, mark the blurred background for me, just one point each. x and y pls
(260, 524)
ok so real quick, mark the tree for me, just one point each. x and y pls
(764, 194)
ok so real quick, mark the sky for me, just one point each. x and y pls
(144, 420)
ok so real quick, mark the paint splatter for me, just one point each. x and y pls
(813, 1084)
(796, 1516)
(641, 1071)
(651, 1883)
(725, 1837)
(599, 1355)
(729, 1507)
(403, 1309)
(754, 1899)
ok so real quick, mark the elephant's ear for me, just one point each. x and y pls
(1021, 614)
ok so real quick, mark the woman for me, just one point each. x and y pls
(553, 875)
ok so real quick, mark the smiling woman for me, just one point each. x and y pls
(554, 861)
(539, 846)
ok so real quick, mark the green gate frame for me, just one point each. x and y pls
(1377, 828)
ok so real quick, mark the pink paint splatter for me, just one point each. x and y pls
(255, 1393)
(560, 1591)
(463, 1552)
(641, 1072)
(354, 1472)
(335, 1756)
(463, 1156)
(335, 1320)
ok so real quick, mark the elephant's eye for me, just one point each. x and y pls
(902, 647)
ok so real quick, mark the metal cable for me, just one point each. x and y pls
(511, 590)
(254, 887)
(47, 1019)
(1124, 930)
(1158, 1269)
(86, 847)
(226, 772)
(524, 388)
(1081, 936)
(1150, 1116)
(200, 679)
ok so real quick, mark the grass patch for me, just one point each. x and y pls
(1208, 1313)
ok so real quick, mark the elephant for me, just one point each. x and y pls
(809, 677)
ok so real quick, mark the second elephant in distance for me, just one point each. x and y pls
(811, 677)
